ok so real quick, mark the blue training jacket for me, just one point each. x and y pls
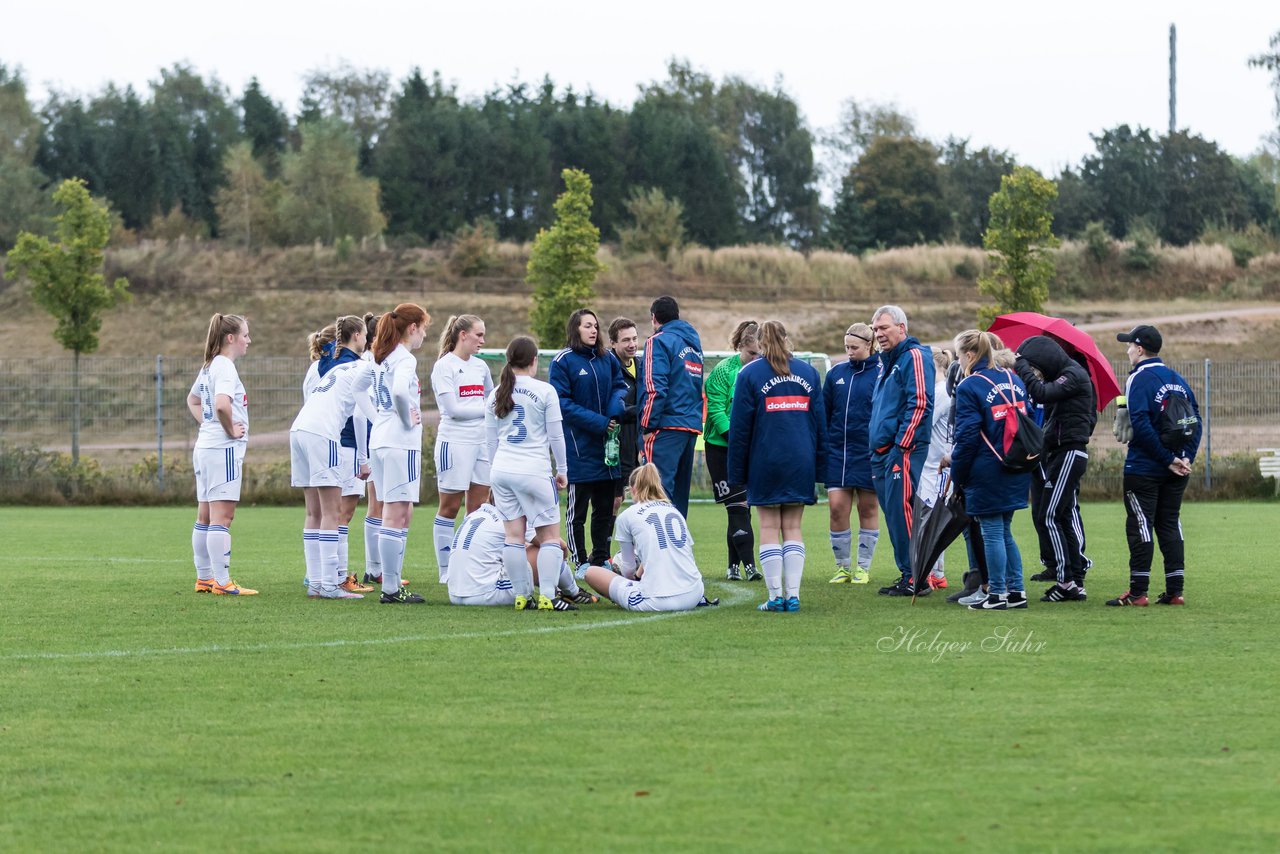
(670, 380)
(846, 399)
(1146, 390)
(902, 407)
(327, 364)
(981, 410)
(592, 392)
(776, 426)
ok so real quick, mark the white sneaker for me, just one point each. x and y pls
(973, 598)
(336, 592)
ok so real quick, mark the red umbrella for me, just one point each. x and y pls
(1015, 328)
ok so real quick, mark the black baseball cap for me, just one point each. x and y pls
(1146, 337)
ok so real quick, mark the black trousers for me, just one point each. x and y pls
(598, 496)
(1154, 505)
(1057, 512)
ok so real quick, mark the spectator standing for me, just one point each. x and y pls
(672, 406)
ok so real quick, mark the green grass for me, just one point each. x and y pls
(135, 714)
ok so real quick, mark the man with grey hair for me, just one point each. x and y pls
(901, 423)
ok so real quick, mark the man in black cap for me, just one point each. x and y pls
(1165, 420)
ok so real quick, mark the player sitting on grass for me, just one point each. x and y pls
(656, 561)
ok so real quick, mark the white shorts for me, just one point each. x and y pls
(529, 495)
(397, 474)
(313, 460)
(458, 466)
(218, 473)
(501, 598)
(630, 595)
(351, 483)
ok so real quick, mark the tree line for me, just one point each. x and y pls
(715, 162)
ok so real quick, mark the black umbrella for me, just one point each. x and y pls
(936, 528)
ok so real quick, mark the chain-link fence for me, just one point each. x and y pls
(132, 409)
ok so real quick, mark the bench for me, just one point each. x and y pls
(1269, 465)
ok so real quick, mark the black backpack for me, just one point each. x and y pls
(1178, 422)
(1023, 437)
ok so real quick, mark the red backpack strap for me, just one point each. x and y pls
(1007, 402)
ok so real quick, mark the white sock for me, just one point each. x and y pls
(311, 554)
(792, 567)
(840, 546)
(372, 559)
(867, 539)
(442, 535)
(516, 564)
(771, 566)
(567, 582)
(391, 545)
(343, 552)
(550, 557)
(939, 568)
(328, 548)
(200, 551)
(218, 544)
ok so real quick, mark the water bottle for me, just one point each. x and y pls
(612, 448)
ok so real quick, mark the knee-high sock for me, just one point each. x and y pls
(841, 547)
(311, 555)
(771, 566)
(792, 567)
(867, 539)
(372, 559)
(516, 563)
(442, 536)
(743, 537)
(550, 556)
(343, 551)
(200, 551)
(567, 582)
(328, 547)
(218, 544)
(391, 545)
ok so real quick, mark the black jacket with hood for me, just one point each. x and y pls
(1066, 392)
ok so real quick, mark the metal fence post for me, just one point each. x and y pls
(160, 422)
(1208, 425)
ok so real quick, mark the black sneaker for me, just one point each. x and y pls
(901, 587)
(582, 597)
(1016, 599)
(993, 602)
(733, 574)
(1168, 598)
(753, 574)
(708, 603)
(370, 578)
(1059, 593)
(402, 597)
(1045, 575)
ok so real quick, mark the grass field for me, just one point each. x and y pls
(135, 714)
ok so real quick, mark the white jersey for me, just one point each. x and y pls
(220, 377)
(523, 444)
(469, 381)
(396, 395)
(475, 561)
(663, 546)
(311, 380)
(342, 393)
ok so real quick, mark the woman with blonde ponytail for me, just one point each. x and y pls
(658, 570)
(461, 382)
(395, 444)
(218, 403)
(777, 448)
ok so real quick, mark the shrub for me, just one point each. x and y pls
(1098, 243)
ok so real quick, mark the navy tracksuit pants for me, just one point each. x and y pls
(896, 476)
(672, 452)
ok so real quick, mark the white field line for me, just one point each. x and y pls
(735, 595)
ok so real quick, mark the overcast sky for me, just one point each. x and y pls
(1033, 78)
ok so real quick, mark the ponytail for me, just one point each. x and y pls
(984, 345)
(747, 332)
(394, 326)
(453, 329)
(521, 353)
(220, 326)
(646, 484)
(773, 343)
(346, 328)
(318, 343)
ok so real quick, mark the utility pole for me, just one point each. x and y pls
(1173, 79)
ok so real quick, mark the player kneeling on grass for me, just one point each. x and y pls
(477, 575)
(656, 561)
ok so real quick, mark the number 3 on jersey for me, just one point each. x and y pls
(670, 529)
(522, 430)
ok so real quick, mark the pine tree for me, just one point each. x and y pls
(563, 264)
